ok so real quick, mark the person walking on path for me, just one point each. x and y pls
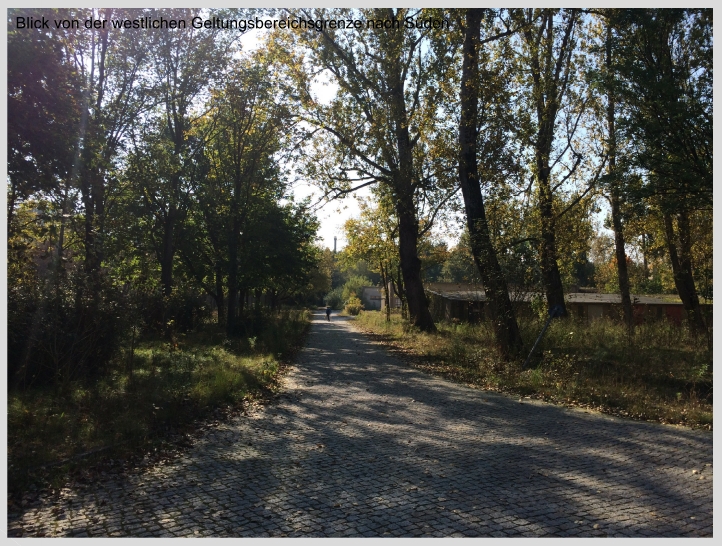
(328, 313)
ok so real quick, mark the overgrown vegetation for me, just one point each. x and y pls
(148, 193)
(151, 187)
(144, 397)
(353, 306)
(662, 374)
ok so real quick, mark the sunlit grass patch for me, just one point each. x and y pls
(663, 373)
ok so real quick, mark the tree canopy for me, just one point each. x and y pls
(151, 170)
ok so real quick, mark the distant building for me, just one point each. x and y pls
(395, 301)
(372, 297)
(467, 303)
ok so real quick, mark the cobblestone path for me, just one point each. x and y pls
(360, 444)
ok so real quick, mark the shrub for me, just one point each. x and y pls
(335, 298)
(353, 306)
(60, 330)
(663, 372)
(182, 312)
(354, 286)
(143, 395)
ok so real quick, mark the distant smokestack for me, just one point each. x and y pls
(334, 245)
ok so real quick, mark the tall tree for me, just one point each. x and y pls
(372, 237)
(111, 63)
(248, 121)
(43, 112)
(503, 318)
(666, 73)
(549, 42)
(384, 126)
(615, 176)
(185, 64)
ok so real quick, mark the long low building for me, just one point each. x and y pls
(467, 303)
(372, 297)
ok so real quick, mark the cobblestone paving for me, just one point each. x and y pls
(360, 444)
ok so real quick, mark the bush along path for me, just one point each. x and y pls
(145, 410)
(359, 444)
(663, 374)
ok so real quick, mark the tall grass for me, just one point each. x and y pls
(160, 388)
(662, 373)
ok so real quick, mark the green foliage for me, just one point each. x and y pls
(662, 374)
(59, 331)
(353, 306)
(43, 108)
(354, 287)
(351, 268)
(335, 298)
(144, 194)
(350, 292)
(320, 276)
(460, 266)
(665, 77)
(158, 388)
(539, 307)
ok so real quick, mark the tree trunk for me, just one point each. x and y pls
(645, 263)
(685, 263)
(89, 210)
(419, 313)
(12, 198)
(387, 297)
(405, 209)
(682, 268)
(398, 286)
(219, 295)
(167, 251)
(622, 273)
(231, 325)
(92, 190)
(551, 277)
(274, 299)
(92, 185)
(549, 86)
(506, 328)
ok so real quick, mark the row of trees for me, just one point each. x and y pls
(540, 117)
(149, 166)
(145, 169)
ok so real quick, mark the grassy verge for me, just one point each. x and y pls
(135, 408)
(661, 375)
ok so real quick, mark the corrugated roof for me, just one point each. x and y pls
(573, 297)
